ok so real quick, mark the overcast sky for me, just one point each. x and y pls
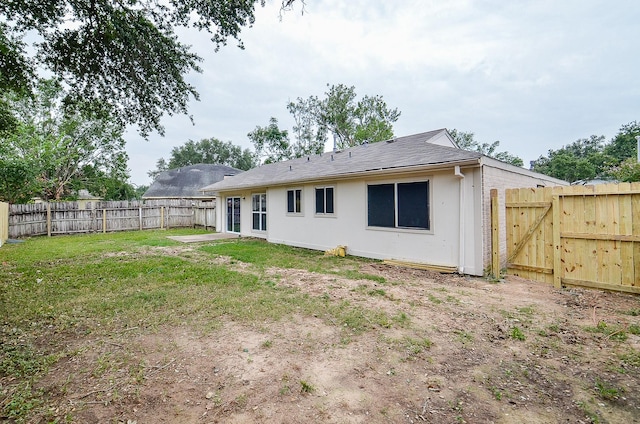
(535, 75)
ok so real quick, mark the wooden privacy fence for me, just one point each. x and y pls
(70, 217)
(4, 222)
(585, 236)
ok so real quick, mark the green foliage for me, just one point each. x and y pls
(517, 334)
(306, 387)
(53, 151)
(627, 171)
(123, 54)
(349, 121)
(592, 157)
(466, 141)
(271, 144)
(310, 135)
(607, 391)
(354, 122)
(207, 150)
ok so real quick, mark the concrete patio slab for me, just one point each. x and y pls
(198, 238)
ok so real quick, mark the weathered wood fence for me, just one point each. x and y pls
(585, 236)
(4, 222)
(70, 217)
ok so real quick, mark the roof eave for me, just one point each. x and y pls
(355, 175)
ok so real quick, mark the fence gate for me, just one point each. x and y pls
(585, 236)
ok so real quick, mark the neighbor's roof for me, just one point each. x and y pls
(187, 182)
(396, 154)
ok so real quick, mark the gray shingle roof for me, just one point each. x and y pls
(402, 152)
(187, 182)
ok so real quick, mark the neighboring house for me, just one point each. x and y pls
(187, 182)
(87, 200)
(417, 198)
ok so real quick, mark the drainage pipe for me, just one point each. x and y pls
(461, 176)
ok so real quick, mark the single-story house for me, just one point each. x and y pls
(187, 182)
(417, 198)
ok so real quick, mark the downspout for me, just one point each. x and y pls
(460, 175)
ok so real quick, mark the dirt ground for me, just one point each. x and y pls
(460, 349)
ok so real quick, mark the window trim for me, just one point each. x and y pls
(333, 200)
(262, 212)
(299, 212)
(396, 227)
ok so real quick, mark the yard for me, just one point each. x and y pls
(134, 327)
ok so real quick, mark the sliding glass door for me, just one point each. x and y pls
(233, 214)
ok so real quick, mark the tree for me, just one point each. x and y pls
(624, 145)
(349, 122)
(310, 135)
(207, 150)
(353, 123)
(466, 141)
(121, 54)
(271, 143)
(584, 159)
(51, 149)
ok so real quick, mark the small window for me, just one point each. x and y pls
(259, 211)
(324, 200)
(398, 205)
(294, 201)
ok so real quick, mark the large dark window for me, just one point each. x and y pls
(399, 205)
(294, 201)
(381, 207)
(324, 200)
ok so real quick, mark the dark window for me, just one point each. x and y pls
(402, 205)
(294, 201)
(380, 208)
(413, 205)
(324, 200)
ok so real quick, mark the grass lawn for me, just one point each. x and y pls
(108, 283)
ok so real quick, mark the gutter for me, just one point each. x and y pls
(461, 252)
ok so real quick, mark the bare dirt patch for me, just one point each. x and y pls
(457, 349)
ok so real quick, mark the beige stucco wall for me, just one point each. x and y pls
(501, 177)
(348, 226)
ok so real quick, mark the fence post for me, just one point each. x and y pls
(140, 217)
(557, 248)
(162, 217)
(48, 219)
(104, 221)
(495, 234)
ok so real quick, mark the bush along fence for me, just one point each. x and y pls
(75, 217)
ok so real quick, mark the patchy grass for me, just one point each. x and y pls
(262, 255)
(105, 284)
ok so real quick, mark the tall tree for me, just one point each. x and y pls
(310, 136)
(52, 149)
(624, 145)
(124, 54)
(271, 143)
(207, 150)
(353, 122)
(338, 114)
(466, 141)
